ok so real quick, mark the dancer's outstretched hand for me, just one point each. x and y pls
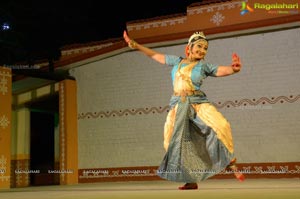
(126, 37)
(131, 43)
(236, 63)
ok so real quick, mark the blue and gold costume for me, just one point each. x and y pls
(197, 137)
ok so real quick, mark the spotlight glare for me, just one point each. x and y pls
(5, 26)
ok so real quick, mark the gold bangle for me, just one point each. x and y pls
(132, 44)
(235, 70)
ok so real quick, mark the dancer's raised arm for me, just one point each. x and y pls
(159, 57)
(235, 67)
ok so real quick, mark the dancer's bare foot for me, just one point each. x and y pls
(188, 186)
(239, 176)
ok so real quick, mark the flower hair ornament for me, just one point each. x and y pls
(196, 37)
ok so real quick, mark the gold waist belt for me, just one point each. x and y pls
(188, 93)
(183, 94)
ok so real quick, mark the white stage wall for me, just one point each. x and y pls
(123, 102)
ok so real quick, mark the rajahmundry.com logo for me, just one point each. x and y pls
(271, 6)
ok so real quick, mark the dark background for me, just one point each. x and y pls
(39, 28)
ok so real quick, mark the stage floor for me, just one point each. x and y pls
(212, 189)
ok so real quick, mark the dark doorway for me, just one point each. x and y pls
(43, 119)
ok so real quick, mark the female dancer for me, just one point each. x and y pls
(197, 137)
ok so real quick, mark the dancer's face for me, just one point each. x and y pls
(199, 50)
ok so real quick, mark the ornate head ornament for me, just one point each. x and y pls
(196, 36)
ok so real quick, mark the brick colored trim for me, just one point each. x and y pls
(148, 173)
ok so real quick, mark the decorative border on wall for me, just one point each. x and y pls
(117, 174)
(250, 170)
(62, 131)
(4, 122)
(256, 102)
(217, 18)
(5, 126)
(265, 170)
(157, 23)
(20, 173)
(213, 8)
(126, 112)
(86, 49)
(242, 104)
(4, 76)
(3, 169)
